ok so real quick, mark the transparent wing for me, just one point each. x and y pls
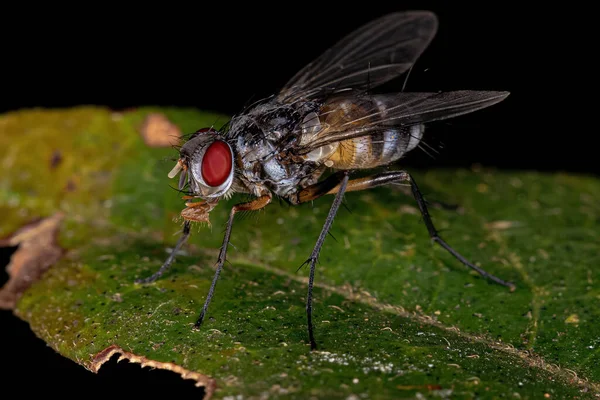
(404, 109)
(368, 57)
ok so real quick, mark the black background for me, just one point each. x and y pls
(218, 57)
(223, 56)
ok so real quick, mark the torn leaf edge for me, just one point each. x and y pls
(103, 356)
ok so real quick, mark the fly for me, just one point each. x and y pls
(325, 119)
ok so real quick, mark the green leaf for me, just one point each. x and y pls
(89, 203)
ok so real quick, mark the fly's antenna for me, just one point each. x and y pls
(406, 79)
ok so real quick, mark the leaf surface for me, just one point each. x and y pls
(395, 315)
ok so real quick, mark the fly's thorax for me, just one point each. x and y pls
(262, 135)
(261, 169)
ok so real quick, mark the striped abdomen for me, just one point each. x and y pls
(383, 141)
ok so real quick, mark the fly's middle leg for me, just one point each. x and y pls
(339, 180)
(253, 205)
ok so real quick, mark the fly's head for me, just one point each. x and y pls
(207, 162)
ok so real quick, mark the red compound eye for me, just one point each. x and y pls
(216, 164)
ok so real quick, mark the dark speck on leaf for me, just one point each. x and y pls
(71, 186)
(56, 159)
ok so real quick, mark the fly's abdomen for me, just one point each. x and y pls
(383, 142)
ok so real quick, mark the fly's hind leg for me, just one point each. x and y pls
(338, 184)
(385, 178)
(440, 205)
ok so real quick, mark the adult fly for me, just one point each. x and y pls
(324, 124)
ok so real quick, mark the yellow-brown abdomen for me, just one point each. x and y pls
(382, 143)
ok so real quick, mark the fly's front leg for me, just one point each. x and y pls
(403, 176)
(171, 258)
(194, 212)
(253, 205)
